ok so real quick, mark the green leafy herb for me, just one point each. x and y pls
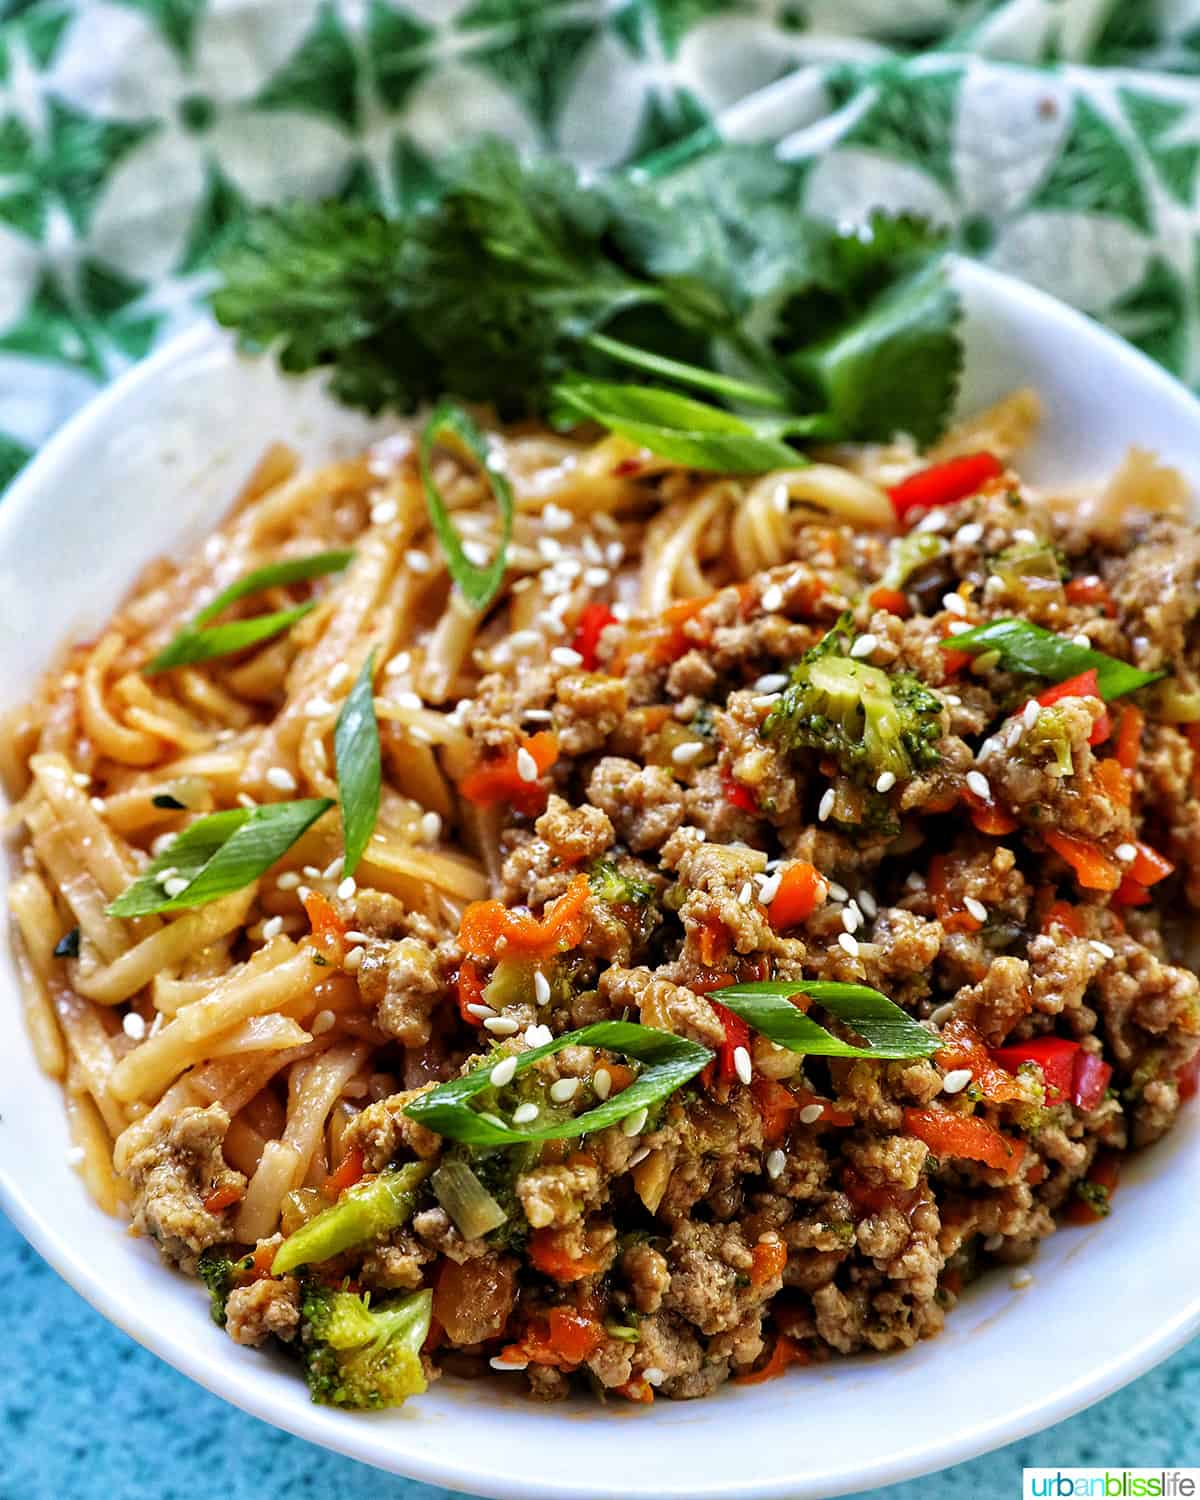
(678, 427)
(477, 585)
(164, 799)
(217, 854)
(517, 272)
(669, 1062)
(1028, 648)
(359, 768)
(68, 945)
(889, 1031)
(200, 641)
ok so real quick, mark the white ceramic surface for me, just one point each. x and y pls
(151, 465)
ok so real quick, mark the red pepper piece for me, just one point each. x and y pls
(1057, 1058)
(594, 619)
(740, 796)
(1131, 893)
(1084, 685)
(1149, 866)
(737, 1034)
(942, 484)
(1089, 1080)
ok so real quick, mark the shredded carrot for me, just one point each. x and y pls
(1149, 866)
(963, 1047)
(470, 992)
(776, 1105)
(489, 930)
(1129, 736)
(550, 1255)
(801, 890)
(640, 1391)
(786, 1352)
(262, 1260)
(1062, 914)
(893, 600)
(987, 815)
(499, 779)
(767, 1260)
(620, 1077)
(713, 939)
(1093, 868)
(328, 929)
(948, 1133)
(1091, 589)
(348, 1173)
(221, 1199)
(1114, 778)
(953, 918)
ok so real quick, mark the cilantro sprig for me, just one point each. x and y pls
(518, 274)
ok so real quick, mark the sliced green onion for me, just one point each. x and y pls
(1024, 647)
(473, 1209)
(669, 1062)
(198, 641)
(217, 854)
(890, 1032)
(359, 767)
(477, 585)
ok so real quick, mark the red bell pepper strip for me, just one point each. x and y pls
(1129, 736)
(737, 1034)
(470, 991)
(1055, 1056)
(347, 1174)
(489, 930)
(594, 620)
(1063, 914)
(1131, 893)
(1089, 1080)
(1085, 685)
(498, 779)
(895, 601)
(738, 795)
(1149, 866)
(801, 890)
(1093, 868)
(942, 484)
(948, 1133)
(786, 1352)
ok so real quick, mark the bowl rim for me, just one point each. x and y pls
(455, 1466)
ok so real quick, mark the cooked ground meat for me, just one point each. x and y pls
(173, 1176)
(268, 1306)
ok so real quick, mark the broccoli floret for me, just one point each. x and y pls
(1097, 1197)
(610, 885)
(360, 1355)
(1048, 743)
(868, 720)
(218, 1270)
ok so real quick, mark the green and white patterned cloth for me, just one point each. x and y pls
(1059, 139)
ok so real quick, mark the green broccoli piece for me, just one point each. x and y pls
(360, 1355)
(610, 885)
(1097, 1197)
(1048, 743)
(368, 1210)
(218, 1270)
(868, 720)
(908, 553)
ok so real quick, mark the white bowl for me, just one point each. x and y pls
(151, 465)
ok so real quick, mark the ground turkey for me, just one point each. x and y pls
(171, 1178)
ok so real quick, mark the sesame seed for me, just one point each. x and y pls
(602, 1083)
(508, 1364)
(765, 700)
(742, 1065)
(538, 716)
(311, 872)
(501, 1026)
(837, 892)
(244, 799)
(563, 656)
(504, 1072)
(811, 1113)
(915, 881)
(639, 1156)
(520, 640)
(887, 780)
(271, 928)
(550, 549)
(942, 1014)
(97, 804)
(772, 598)
(1025, 534)
(746, 894)
(527, 768)
(776, 1161)
(869, 904)
(481, 1012)
(969, 534)
(408, 699)
(175, 886)
(431, 827)
(826, 806)
(352, 935)
(781, 498)
(133, 1026)
(978, 783)
(769, 889)
(771, 682)
(384, 513)
(1101, 948)
(564, 1089)
(976, 908)
(162, 843)
(321, 1022)
(635, 1123)
(538, 1036)
(850, 919)
(337, 674)
(935, 520)
(596, 577)
(555, 518)
(81, 778)
(303, 892)
(1125, 852)
(317, 706)
(165, 874)
(281, 779)
(1029, 714)
(848, 944)
(476, 552)
(957, 627)
(525, 1114)
(652, 1375)
(864, 645)
(952, 699)
(333, 869)
(75, 1156)
(347, 888)
(353, 960)
(955, 1081)
(541, 988)
(1020, 1280)
(685, 754)
(1081, 640)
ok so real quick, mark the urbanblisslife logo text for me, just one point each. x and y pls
(1110, 1484)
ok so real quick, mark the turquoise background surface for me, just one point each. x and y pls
(87, 1415)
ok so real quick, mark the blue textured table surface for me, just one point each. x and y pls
(85, 1414)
